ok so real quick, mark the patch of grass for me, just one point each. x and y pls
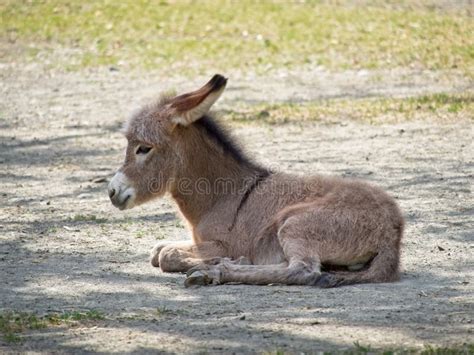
(442, 107)
(435, 102)
(74, 316)
(139, 234)
(88, 218)
(14, 323)
(195, 36)
(461, 350)
(165, 311)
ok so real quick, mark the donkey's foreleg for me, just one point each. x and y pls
(182, 257)
(155, 252)
(301, 267)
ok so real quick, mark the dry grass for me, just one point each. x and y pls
(441, 107)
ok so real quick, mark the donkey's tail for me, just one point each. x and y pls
(383, 268)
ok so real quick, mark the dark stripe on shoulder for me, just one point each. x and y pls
(260, 177)
(220, 136)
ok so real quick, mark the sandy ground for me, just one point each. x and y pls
(64, 247)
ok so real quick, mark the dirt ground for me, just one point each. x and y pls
(63, 246)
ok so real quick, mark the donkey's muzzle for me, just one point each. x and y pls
(121, 194)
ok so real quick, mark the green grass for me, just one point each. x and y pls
(224, 35)
(461, 350)
(14, 323)
(441, 107)
(74, 316)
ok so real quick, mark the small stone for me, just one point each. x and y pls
(98, 180)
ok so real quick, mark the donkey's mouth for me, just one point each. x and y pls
(123, 204)
(123, 201)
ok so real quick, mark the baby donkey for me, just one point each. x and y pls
(251, 225)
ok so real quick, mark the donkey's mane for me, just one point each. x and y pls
(220, 136)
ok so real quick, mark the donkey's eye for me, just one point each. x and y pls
(143, 149)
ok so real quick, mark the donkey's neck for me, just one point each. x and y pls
(214, 171)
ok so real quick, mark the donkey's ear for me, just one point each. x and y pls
(193, 105)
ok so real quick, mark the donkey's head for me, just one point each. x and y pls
(152, 157)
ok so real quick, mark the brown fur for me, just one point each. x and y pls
(286, 227)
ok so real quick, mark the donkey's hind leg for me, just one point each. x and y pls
(383, 268)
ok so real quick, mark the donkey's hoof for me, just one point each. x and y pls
(203, 278)
(196, 279)
(326, 280)
(155, 253)
(155, 258)
(198, 268)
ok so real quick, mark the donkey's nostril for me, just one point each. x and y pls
(111, 193)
